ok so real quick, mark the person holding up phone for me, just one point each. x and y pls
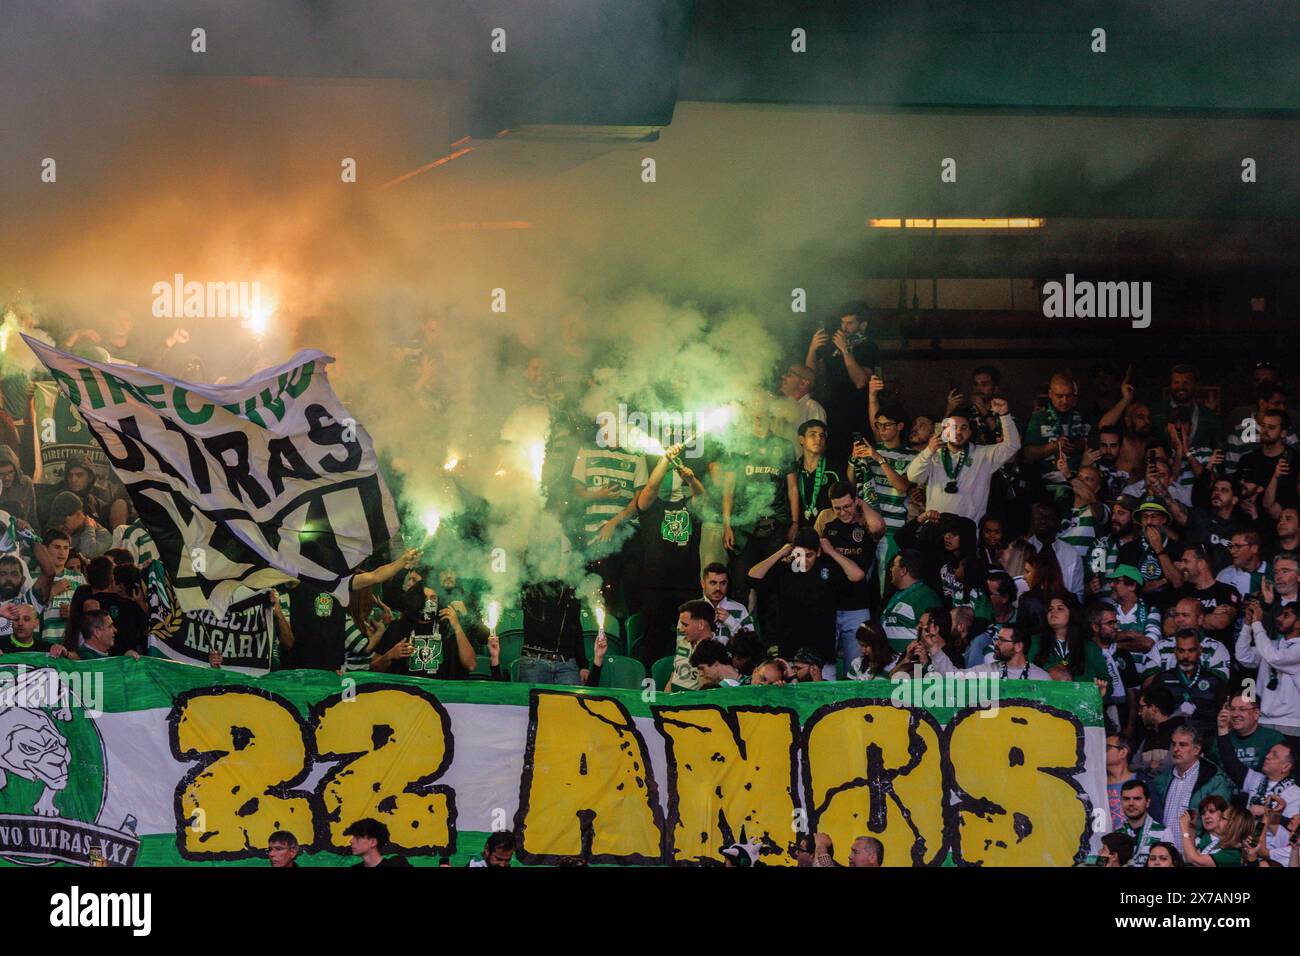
(955, 472)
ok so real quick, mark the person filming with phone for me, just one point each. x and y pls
(955, 472)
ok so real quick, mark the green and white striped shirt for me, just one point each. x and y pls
(356, 657)
(597, 468)
(1161, 657)
(872, 483)
(54, 615)
(134, 537)
(1079, 531)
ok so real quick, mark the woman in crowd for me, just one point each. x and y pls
(1223, 835)
(878, 658)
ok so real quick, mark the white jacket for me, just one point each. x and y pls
(972, 497)
(1255, 647)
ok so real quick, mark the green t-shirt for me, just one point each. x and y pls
(88, 653)
(1222, 856)
(1252, 749)
(903, 611)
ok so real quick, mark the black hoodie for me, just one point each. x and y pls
(18, 497)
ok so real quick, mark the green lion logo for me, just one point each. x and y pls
(53, 783)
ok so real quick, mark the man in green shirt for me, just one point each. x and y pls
(1059, 429)
(1249, 740)
(905, 606)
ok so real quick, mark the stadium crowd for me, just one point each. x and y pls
(1149, 545)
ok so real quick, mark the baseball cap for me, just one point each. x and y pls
(1128, 502)
(1150, 504)
(1126, 571)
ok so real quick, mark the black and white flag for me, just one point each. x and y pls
(247, 485)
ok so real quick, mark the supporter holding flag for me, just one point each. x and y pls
(670, 549)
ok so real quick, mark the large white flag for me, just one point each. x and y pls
(246, 485)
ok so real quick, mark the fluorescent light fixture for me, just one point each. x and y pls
(1014, 223)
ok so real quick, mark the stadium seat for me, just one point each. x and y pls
(840, 673)
(511, 646)
(615, 645)
(514, 671)
(660, 671)
(621, 672)
(589, 626)
(512, 622)
(634, 633)
(484, 666)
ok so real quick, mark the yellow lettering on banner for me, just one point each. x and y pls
(394, 743)
(1022, 808)
(587, 788)
(731, 769)
(247, 745)
(876, 770)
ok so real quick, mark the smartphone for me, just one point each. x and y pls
(857, 437)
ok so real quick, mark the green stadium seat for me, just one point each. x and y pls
(621, 672)
(512, 622)
(514, 670)
(484, 666)
(589, 625)
(634, 634)
(840, 673)
(511, 647)
(661, 670)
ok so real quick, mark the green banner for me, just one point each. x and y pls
(156, 763)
